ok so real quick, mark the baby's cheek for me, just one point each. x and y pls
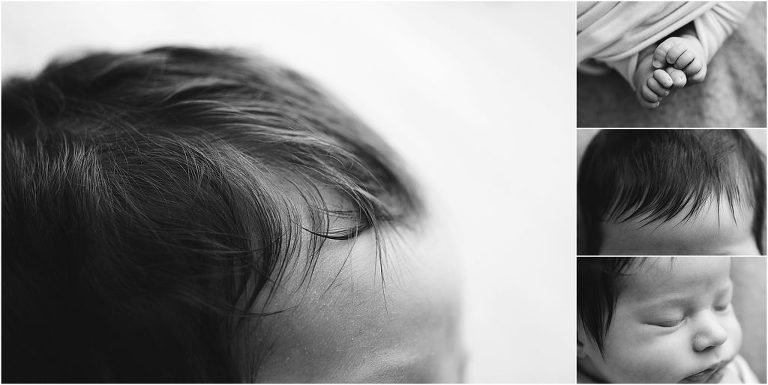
(733, 344)
(652, 360)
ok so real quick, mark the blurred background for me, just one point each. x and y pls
(479, 98)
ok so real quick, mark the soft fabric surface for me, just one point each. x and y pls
(738, 365)
(614, 32)
(733, 95)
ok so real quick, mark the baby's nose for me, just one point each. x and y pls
(710, 332)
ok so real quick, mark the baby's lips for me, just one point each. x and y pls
(713, 375)
(716, 376)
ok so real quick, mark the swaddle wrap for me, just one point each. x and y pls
(612, 34)
(739, 366)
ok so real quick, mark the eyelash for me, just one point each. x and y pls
(671, 323)
(677, 322)
(723, 307)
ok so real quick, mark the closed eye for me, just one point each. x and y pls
(669, 323)
(723, 307)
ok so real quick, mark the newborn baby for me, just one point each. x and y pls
(658, 320)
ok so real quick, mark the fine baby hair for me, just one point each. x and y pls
(655, 175)
(598, 290)
(149, 198)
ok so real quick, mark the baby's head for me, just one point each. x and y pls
(184, 214)
(651, 320)
(672, 192)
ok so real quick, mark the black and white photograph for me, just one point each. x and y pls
(383, 192)
(301, 192)
(671, 64)
(671, 192)
(671, 320)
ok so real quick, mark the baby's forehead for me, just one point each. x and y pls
(649, 280)
(716, 228)
(354, 321)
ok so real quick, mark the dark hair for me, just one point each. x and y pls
(148, 198)
(626, 174)
(597, 292)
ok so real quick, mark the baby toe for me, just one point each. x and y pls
(657, 88)
(684, 60)
(663, 78)
(675, 52)
(649, 95)
(678, 77)
(695, 67)
(660, 53)
(649, 105)
(699, 76)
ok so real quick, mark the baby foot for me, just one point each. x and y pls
(652, 85)
(684, 53)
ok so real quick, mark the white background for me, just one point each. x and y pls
(478, 97)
